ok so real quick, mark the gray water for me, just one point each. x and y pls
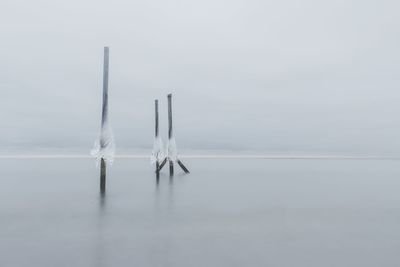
(227, 212)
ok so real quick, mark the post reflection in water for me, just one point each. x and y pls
(100, 259)
(157, 173)
(103, 173)
(157, 180)
(171, 173)
(164, 194)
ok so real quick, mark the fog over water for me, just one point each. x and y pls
(307, 77)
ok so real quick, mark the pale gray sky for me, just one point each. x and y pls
(315, 77)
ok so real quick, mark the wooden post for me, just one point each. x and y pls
(170, 133)
(182, 166)
(157, 169)
(104, 111)
(156, 136)
(156, 119)
(170, 136)
(161, 165)
(104, 115)
(171, 167)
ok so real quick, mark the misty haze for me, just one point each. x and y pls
(303, 77)
(199, 133)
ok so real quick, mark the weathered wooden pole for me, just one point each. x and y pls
(182, 166)
(162, 164)
(170, 137)
(156, 131)
(104, 111)
(170, 133)
(159, 165)
(104, 118)
(156, 117)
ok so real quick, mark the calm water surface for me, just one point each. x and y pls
(228, 212)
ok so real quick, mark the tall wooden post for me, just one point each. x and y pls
(171, 136)
(104, 111)
(156, 130)
(156, 117)
(104, 118)
(170, 133)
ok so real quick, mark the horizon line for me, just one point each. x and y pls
(215, 156)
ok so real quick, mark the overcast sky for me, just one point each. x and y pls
(310, 76)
